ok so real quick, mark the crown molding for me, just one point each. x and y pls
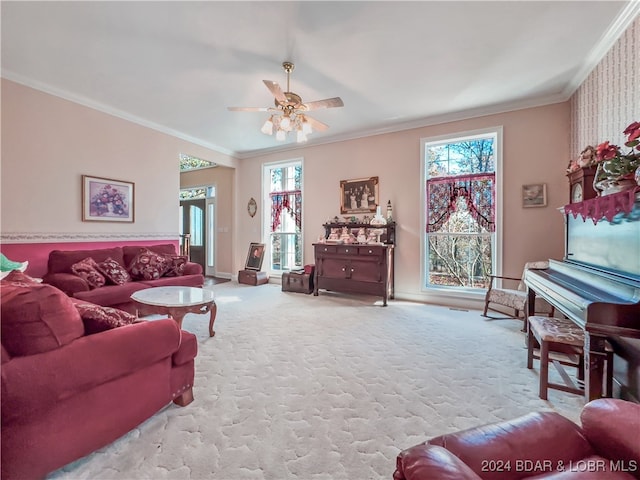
(608, 39)
(606, 42)
(70, 237)
(79, 99)
(413, 124)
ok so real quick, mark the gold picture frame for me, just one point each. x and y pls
(360, 195)
(534, 195)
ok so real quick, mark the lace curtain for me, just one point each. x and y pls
(291, 201)
(478, 190)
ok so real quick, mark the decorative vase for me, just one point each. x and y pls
(606, 184)
(378, 221)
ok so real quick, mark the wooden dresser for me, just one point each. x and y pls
(354, 268)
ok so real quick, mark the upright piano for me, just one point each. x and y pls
(597, 284)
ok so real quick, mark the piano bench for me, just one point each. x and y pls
(561, 343)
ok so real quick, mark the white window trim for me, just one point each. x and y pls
(442, 292)
(266, 214)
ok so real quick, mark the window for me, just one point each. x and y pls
(187, 162)
(460, 211)
(283, 222)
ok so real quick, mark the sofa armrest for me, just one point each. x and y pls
(188, 349)
(428, 462)
(67, 282)
(192, 268)
(35, 382)
(504, 449)
(611, 425)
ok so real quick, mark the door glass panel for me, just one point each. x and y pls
(196, 220)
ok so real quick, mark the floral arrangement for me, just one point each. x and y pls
(109, 201)
(618, 165)
(612, 162)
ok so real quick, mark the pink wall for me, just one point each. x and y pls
(48, 143)
(38, 253)
(535, 148)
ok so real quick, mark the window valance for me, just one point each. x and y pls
(291, 201)
(478, 190)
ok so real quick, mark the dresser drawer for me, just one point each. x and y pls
(326, 248)
(347, 250)
(370, 250)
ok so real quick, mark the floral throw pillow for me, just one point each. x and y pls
(98, 319)
(87, 269)
(114, 272)
(148, 265)
(176, 265)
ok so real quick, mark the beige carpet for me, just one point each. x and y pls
(327, 387)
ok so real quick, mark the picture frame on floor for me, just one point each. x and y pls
(107, 200)
(254, 257)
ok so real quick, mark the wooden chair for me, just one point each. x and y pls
(561, 342)
(515, 298)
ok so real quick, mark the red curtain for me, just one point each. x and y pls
(477, 189)
(289, 200)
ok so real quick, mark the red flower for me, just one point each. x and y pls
(606, 151)
(633, 131)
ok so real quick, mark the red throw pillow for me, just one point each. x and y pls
(176, 265)
(148, 265)
(98, 319)
(114, 272)
(36, 318)
(87, 269)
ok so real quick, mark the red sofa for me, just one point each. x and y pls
(60, 275)
(66, 393)
(537, 445)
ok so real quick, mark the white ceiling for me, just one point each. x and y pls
(176, 66)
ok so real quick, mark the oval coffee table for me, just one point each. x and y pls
(177, 302)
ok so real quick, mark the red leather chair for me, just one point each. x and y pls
(541, 445)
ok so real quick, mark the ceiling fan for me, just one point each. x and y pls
(289, 112)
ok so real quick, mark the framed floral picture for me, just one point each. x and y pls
(359, 195)
(107, 200)
(534, 195)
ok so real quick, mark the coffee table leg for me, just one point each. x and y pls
(178, 317)
(212, 318)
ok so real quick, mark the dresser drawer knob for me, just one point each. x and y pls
(370, 251)
(326, 249)
(347, 250)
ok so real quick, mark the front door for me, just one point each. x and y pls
(193, 223)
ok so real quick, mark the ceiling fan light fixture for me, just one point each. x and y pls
(301, 137)
(267, 128)
(306, 126)
(289, 111)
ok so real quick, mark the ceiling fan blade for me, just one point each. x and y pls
(316, 124)
(326, 103)
(276, 91)
(248, 109)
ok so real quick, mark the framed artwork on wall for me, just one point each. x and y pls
(107, 200)
(254, 257)
(534, 195)
(359, 195)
